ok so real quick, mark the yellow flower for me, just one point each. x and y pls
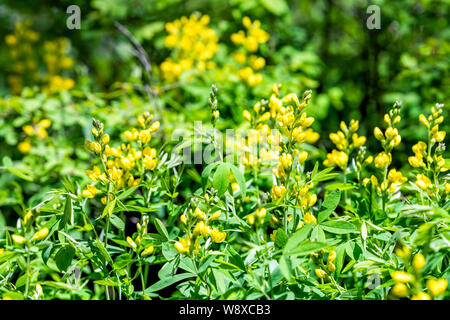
(145, 136)
(235, 187)
(247, 116)
(418, 262)
(94, 174)
(24, 146)
(378, 133)
(257, 63)
(149, 162)
(29, 130)
(218, 236)
(131, 135)
(423, 182)
(215, 215)
(336, 158)
(155, 126)
(309, 218)
(358, 141)
(131, 242)
(27, 217)
(105, 139)
(447, 188)
(198, 213)
(18, 239)
(41, 234)
(401, 276)
(439, 136)
(45, 123)
(437, 287)
(331, 256)
(421, 296)
(400, 290)
(302, 156)
(90, 192)
(260, 213)
(331, 267)
(403, 252)
(320, 273)
(148, 251)
(383, 159)
(416, 161)
(278, 192)
(183, 245)
(423, 120)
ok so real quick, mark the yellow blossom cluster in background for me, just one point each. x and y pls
(57, 61)
(249, 42)
(25, 54)
(193, 45)
(38, 130)
(21, 47)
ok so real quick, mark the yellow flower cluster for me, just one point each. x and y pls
(390, 139)
(123, 165)
(345, 140)
(249, 42)
(257, 217)
(38, 130)
(410, 283)
(198, 225)
(194, 44)
(329, 266)
(22, 52)
(37, 236)
(392, 182)
(136, 244)
(57, 61)
(430, 160)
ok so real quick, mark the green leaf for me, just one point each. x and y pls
(277, 7)
(161, 228)
(207, 172)
(306, 247)
(117, 222)
(239, 178)
(64, 257)
(338, 227)
(23, 174)
(109, 282)
(47, 252)
(68, 211)
(221, 179)
(109, 208)
(164, 283)
(286, 267)
(329, 204)
(281, 238)
(298, 237)
(363, 231)
(332, 199)
(125, 194)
